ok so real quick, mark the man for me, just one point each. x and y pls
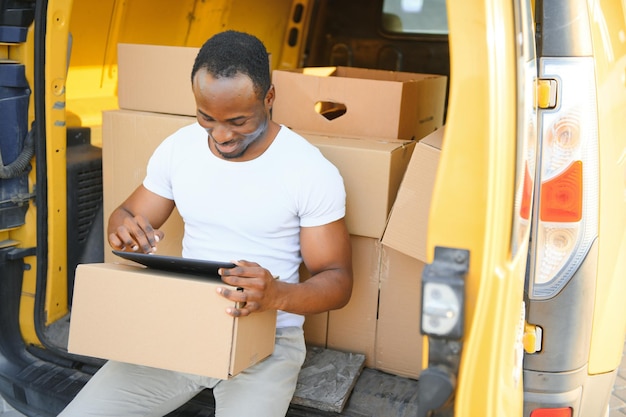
(248, 190)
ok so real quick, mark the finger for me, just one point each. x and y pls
(137, 234)
(243, 269)
(244, 263)
(153, 236)
(115, 242)
(125, 239)
(238, 296)
(237, 312)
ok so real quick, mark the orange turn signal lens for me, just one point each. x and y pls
(562, 196)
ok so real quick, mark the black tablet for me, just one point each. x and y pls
(197, 267)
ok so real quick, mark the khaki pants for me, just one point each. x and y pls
(264, 390)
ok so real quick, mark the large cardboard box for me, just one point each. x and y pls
(353, 327)
(164, 320)
(360, 102)
(156, 78)
(372, 170)
(399, 343)
(128, 140)
(408, 222)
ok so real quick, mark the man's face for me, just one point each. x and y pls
(234, 117)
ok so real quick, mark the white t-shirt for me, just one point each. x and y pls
(249, 210)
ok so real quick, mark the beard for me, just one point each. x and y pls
(242, 142)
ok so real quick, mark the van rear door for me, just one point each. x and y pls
(481, 203)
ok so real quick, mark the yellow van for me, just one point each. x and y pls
(522, 310)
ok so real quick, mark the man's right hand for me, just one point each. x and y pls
(134, 225)
(135, 234)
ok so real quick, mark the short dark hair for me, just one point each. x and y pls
(229, 53)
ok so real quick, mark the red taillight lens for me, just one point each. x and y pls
(562, 196)
(552, 412)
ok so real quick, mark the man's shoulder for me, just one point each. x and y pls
(301, 152)
(296, 141)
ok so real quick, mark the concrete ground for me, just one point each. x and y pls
(617, 405)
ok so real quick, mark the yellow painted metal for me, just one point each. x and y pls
(292, 55)
(608, 28)
(268, 20)
(59, 13)
(208, 18)
(92, 74)
(98, 27)
(472, 206)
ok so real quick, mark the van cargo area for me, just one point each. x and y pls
(488, 267)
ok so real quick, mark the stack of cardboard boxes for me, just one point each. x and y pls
(370, 124)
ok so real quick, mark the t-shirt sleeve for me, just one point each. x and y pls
(157, 177)
(323, 201)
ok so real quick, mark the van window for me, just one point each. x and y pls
(415, 17)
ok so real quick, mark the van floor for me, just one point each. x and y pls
(373, 393)
(376, 394)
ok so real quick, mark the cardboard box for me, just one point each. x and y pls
(359, 102)
(164, 320)
(399, 343)
(353, 327)
(156, 78)
(372, 171)
(128, 140)
(408, 222)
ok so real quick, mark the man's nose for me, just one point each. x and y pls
(221, 134)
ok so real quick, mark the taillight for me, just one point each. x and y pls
(562, 196)
(552, 412)
(566, 201)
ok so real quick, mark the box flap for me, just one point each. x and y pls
(435, 139)
(407, 226)
(319, 71)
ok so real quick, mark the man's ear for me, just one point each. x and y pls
(269, 97)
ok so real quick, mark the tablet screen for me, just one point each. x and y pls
(197, 267)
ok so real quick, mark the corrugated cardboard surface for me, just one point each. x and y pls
(380, 104)
(408, 222)
(164, 320)
(128, 140)
(353, 328)
(398, 339)
(156, 78)
(372, 171)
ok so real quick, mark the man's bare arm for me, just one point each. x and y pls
(134, 224)
(327, 254)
